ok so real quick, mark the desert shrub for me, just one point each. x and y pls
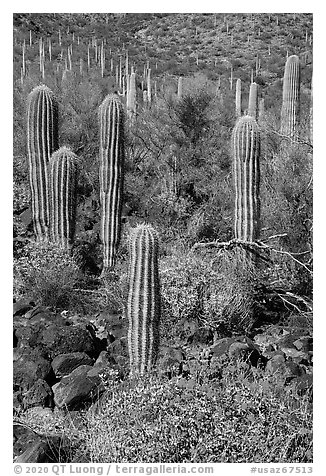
(221, 291)
(236, 420)
(47, 274)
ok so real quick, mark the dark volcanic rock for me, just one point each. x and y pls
(64, 364)
(62, 340)
(81, 386)
(29, 367)
(39, 395)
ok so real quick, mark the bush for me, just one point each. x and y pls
(47, 274)
(219, 290)
(241, 420)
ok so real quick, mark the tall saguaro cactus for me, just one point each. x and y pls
(63, 177)
(42, 141)
(111, 121)
(246, 153)
(291, 97)
(143, 306)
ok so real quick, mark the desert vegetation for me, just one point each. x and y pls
(163, 237)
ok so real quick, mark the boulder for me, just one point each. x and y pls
(284, 369)
(245, 351)
(221, 346)
(32, 447)
(62, 340)
(64, 364)
(304, 343)
(78, 388)
(170, 361)
(29, 366)
(45, 449)
(39, 395)
(22, 306)
(54, 335)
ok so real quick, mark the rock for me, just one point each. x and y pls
(39, 395)
(221, 346)
(63, 340)
(304, 343)
(297, 355)
(116, 327)
(118, 347)
(170, 361)
(286, 370)
(246, 351)
(105, 359)
(21, 306)
(45, 449)
(64, 364)
(78, 388)
(23, 438)
(29, 336)
(55, 338)
(29, 367)
(36, 310)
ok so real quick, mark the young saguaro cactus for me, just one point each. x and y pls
(253, 101)
(132, 96)
(238, 97)
(246, 154)
(291, 97)
(143, 306)
(111, 121)
(63, 178)
(42, 141)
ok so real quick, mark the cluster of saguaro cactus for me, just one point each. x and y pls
(143, 306)
(42, 141)
(291, 97)
(63, 177)
(246, 152)
(111, 121)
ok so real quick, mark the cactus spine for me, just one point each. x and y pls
(253, 101)
(246, 152)
(143, 306)
(42, 141)
(238, 97)
(291, 97)
(111, 121)
(63, 177)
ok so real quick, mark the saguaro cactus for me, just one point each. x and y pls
(253, 101)
(63, 177)
(42, 141)
(111, 121)
(131, 98)
(238, 97)
(180, 84)
(143, 306)
(246, 152)
(291, 97)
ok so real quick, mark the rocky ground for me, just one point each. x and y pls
(63, 365)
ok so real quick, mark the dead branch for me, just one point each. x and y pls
(251, 246)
